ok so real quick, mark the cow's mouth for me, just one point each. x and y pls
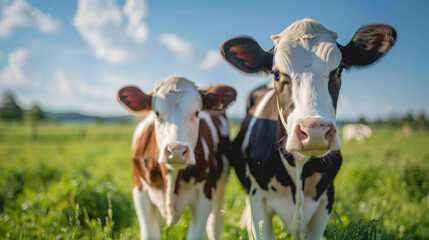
(309, 153)
(176, 165)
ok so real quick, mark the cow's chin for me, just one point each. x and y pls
(177, 164)
(303, 156)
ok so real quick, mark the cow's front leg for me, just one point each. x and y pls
(261, 217)
(318, 222)
(200, 214)
(215, 220)
(147, 215)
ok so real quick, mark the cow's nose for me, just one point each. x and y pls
(177, 153)
(315, 135)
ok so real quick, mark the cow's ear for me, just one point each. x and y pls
(218, 97)
(369, 44)
(134, 100)
(245, 54)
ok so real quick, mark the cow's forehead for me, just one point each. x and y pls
(305, 45)
(304, 28)
(174, 84)
(176, 93)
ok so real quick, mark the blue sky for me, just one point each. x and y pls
(75, 55)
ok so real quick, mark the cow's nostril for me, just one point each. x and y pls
(185, 152)
(302, 133)
(329, 136)
(168, 152)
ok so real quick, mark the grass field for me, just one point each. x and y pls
(74, 182)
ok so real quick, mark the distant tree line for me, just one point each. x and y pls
(11, 111)
(408, 120)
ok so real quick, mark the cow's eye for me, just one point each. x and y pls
(157, 114)
(196, 114)
(276, 75)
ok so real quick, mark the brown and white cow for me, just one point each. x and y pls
(180, 155)
(286, 154)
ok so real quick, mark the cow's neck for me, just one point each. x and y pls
(170, 185)
(294, 168)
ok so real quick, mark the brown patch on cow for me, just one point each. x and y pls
(242, 54)
(145, 160)
(254, 97)
(283, 88)
(203, 164)
(239, 50)
(311, 183)
(270, 111)
(214, 162)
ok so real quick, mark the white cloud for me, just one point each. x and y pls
(15, 73)
(181, 48)
(74, 88)
(63, 83)
(74, 94)
(100, 22)
(211, 60)
(135, 10)
(20, 14)
(185, 52)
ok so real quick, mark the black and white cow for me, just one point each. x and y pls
(286, 154)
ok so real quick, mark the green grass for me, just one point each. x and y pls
(74, 182)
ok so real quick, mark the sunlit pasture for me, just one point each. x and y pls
(75, 181)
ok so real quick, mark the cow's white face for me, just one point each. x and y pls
(176, 103)
(306, 63)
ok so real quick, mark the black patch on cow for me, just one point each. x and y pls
(190, 171)
(263, 137)
(328, 166)
(331, 195)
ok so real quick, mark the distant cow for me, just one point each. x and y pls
(286, 154)
(356, 131)
(179, 155)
